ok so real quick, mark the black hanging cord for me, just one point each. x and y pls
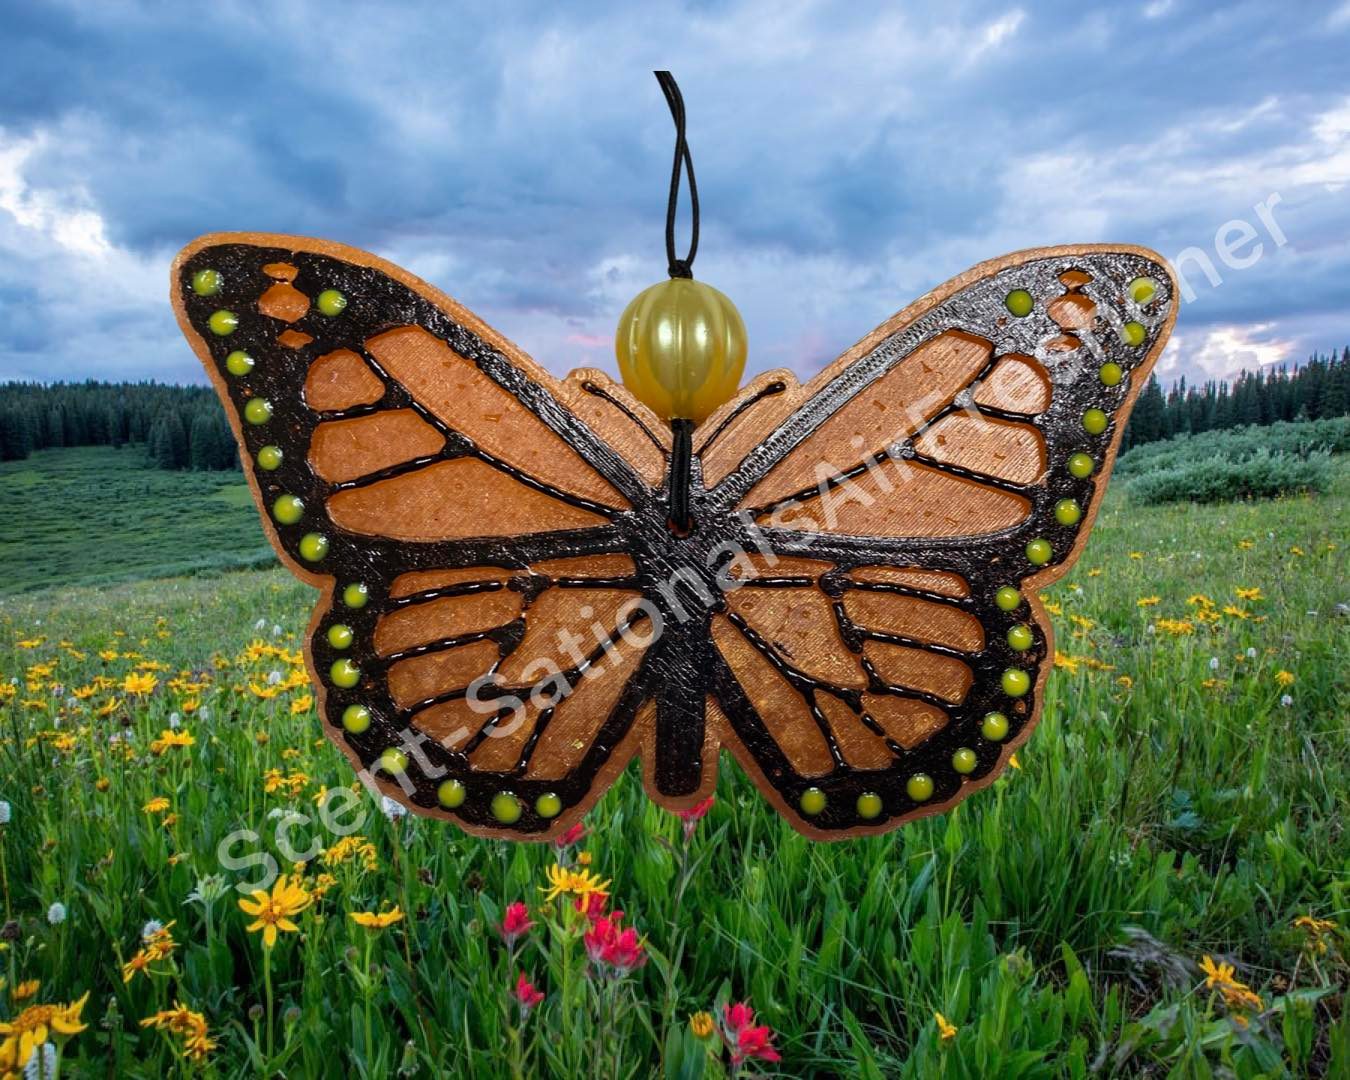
(679, 268)
(681, 458)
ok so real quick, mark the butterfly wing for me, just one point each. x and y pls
(474, 649)
(886, 651)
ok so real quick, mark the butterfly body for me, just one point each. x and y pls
(530, 614)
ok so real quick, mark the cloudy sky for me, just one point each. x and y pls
(849, 157)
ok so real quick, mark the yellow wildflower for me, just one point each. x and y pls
(273, 913)
(1296, 550)
(377, 921)
(1234, 611)
(34, 1026)
(1284, 678)
(24, 990)
(1248, 594)
(1136, 555)
(1096, 571)
(1125, 682)
(578, 883)
(1217, 976)
(302, 704)
(946, 1029)
(701, 1025)
(157, 805)
(1148, 601)
(139, 683)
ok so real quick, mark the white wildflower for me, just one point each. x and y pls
(56, 914)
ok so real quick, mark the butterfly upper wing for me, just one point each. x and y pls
(891, 498)
(455, 505)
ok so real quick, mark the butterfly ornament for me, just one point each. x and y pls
(526, 582)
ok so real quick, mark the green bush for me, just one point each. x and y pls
(1262, 475)
(1297, 439)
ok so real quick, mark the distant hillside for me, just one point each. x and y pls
(184, 427)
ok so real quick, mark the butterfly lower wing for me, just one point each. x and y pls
(960, 449)
(455, 506)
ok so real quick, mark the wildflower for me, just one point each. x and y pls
(42, 1065)
(5, 812)
(1296, 550)
(592, 905)
(1176, 627)
(702, 1025)
(515, 923)
(302, 704)
(694, 815)
(30, 643)
(611, 945)
(1286, 701)
(1284, 678)
(1136, 555)
(946, 1029)
(1248, 594)
(744, 1038)
(1217, 976)
(1148, 601)
(1233, 611)
(273, 913)
(1213, 663)
(56, 914)
(30, 1030)
(578, 883)
(1096, 571)
(1315, 930)
(189, 1025)
(527, 994)
(24, 990)
(169, 738)
(139, 683)
(157, 805)
(1014, 762)
(373, 921)
(572, 836)
(208, 890)
(1125, 682)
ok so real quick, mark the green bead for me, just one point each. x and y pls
(1016, 682)
(1134, 334)
(1110, 374)
(331, 302)
(1008, 598)
(869, 805)
(258, 410)
(1081, 465)
(919, 787)
(223, 322)
(1019, 302)
(239, 363)
(1020, 637)
(288, 509)
(394, 761)
(451, 793)
(812, 801)
(964, 761)
(340, 636)
(1142, 289)
(313, 547)
(1067, 512)
(344, 674)
(1039, 552)
(356, 718)
(355, 595)
(994, 727)
(207, 282)
(269, 458)
(506, 808)
(1094, 421)
(548, 805)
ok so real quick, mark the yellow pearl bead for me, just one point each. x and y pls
(681, 346)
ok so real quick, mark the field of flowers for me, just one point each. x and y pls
(1161, 886)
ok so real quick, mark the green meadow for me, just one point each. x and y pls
(1161, 887)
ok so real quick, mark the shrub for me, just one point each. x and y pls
(1297, 439)
(1219, 479)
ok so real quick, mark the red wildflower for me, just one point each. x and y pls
(611, 945)
(694, 815)
(592, 905)
(516, 924)
(744, 1038)
(574, 835)
(527, 994)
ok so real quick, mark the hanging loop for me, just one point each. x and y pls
(679, 268)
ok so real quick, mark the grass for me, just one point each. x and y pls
(95, 515)
(1169, 808)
